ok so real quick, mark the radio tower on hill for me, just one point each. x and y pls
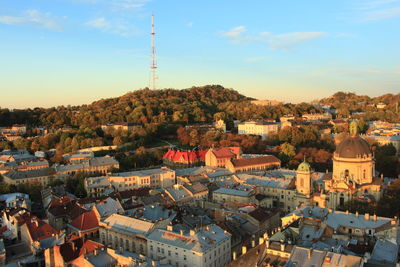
(153, 63)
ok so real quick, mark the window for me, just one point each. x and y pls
(184, 257)
(151, 247)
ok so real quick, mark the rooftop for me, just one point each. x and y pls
(125, 224)
(200, 241)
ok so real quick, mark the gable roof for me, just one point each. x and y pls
(244, 162)
(86, 221)
(39, 230)
(76, 248)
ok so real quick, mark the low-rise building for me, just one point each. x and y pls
(218, 157)
(95, 165)
(206, 246)
(253, 164)
(154, 178)
(262, 129)
(233, 196)
(40, 176)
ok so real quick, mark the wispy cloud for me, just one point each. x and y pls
(255, 59)
(114, 27)
(283, 41)
(33, 17)
(190, 24)
(128, 4)
(378, 10)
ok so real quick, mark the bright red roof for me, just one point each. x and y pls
(226, 152)
(187, 156)
(40, 230)
(85, 221)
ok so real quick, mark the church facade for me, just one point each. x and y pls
(352, 176)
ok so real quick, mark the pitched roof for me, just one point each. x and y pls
(189, 156)
(39, 230)
(65, 207)
(86, 221)
(77, 247)
(262, 215)
(255, 161)
(31, 173)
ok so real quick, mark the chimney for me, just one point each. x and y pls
(181, 232)
(266, 236)
(192, 232)
(234, 255)
(73, 245)
(169, 227)
(366, 216)
(260, 240)
(282, 247)
(357, 213)
(267, 243)
(375, 218)
(347, 212)
(309, 253)
(244, 250)
(253, 243)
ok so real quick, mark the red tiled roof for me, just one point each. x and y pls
(256, 161)
(85, 221)
(188, 156)
(40, 230)
(77, 247)
(65, 207)
(226, 152)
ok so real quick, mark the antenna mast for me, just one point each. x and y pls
(153, 64)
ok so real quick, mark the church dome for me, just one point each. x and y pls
(353, 147)
(304, 167)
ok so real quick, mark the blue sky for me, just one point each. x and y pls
(60, 52)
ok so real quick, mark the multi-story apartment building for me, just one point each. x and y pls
(154, 178)
(207, 246)
(40, 176)
(125, 233)
(93, 165)
(258, 128)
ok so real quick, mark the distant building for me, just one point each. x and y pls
(317, 116)
(121, 126)
(253, 164)
(207, 246)
(177, 158)
(94, 165)
(218, 157)
(153, 178)
(40, 176)
(262, 129)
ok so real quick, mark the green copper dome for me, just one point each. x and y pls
(304, 167)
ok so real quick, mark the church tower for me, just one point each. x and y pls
(303, 179)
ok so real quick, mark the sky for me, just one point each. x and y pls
(61, 52)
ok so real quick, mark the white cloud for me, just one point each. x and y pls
(255, 59)
(378, 10)
(129, 4)
(288, 40)
(99, 23)
(282, 41)
(190, 24)
(33, 17)
(235, 32)
(121, 28)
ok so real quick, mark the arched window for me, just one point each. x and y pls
(301, 182)
(364, 174)
(346, 173)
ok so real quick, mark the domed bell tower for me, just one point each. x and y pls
(303, 179)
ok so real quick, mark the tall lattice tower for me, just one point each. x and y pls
(153, 63)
